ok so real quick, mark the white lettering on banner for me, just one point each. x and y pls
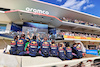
(37, 10)
(91, 52)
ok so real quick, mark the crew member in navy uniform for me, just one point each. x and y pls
(45, 48)
(14, 45)
(20, 45)
(61, 53)
(53, 49)
(68, 51)
(33, 47)
(77, 50)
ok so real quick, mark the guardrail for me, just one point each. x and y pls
(85, 62)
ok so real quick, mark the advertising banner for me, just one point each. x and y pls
(93, 52)
(35, 27)
(79, 37)
(15, 27)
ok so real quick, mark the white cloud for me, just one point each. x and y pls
(87, 1)
(88, 6)
(79, 5)
(35, 0)
(59, 0)
(76, 5)
(69, 3)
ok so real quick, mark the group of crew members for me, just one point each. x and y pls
(34, 47)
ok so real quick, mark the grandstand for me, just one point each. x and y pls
(20, 11)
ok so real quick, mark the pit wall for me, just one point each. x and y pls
(27, 61)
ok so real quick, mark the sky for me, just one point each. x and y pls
(86, 6)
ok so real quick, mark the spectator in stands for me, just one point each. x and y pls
(63, 33)
(23, 32)
(72, 21)
(48, 35)
(92, 35)
(84, 35)
(64, 18)
(76, 21)
(95, 36)
(42, 36)
(59, 36)
(81, 34)
(87, 35)
(67, 33)
(67, 19)
(86, 23)
(51, 37)
(32, 35)
(76, 34)
(82, 22)
(38, 37)
(72, 33)
(91, 24)
(95, 25)
(28, 35)
(18, 34)
(98, 26)
(98, 47)
(98, 36)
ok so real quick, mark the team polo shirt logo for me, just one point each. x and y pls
(53, 46)
(20, 43)
(33, 44)
(61, 50)
(13, 43)
(78, 48)
(45, 45)
(69, 49)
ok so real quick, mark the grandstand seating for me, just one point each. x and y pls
(80, 22)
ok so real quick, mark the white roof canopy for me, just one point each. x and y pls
(19, 16)
(53, 9)
(23, 16)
